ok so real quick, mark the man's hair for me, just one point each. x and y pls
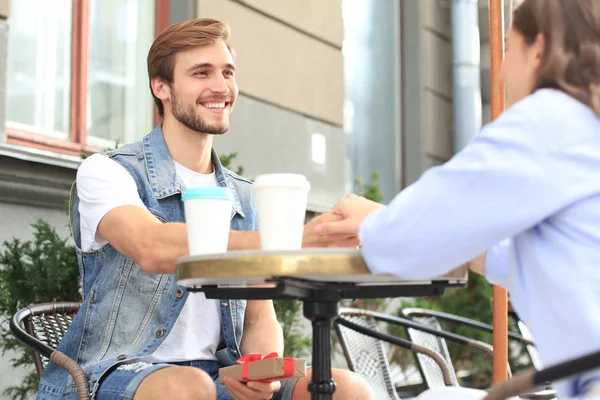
(179, 37)
(571, 60)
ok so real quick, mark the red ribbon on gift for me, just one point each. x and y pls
(288, 365)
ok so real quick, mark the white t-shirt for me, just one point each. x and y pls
(102, 185)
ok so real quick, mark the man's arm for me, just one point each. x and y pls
(156, 246)
(262, 332)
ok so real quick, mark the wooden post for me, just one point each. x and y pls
(500, 301)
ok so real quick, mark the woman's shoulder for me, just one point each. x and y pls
(549, 104)
(556, 116)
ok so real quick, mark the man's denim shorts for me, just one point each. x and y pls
(122, 382)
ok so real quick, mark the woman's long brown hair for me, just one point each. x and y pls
(571, 29)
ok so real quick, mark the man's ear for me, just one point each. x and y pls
(160, 88)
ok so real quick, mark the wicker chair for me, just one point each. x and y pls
(435, 339)
(44, 327)
(523, 330)
(424, 336)
(364, 352)
(429, 371)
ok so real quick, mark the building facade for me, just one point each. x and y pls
(75, 81)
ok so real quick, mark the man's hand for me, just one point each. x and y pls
(350, 213)
(157, 246)
(250, 390)
(313, 239)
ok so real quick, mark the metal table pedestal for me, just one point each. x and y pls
(319, 278)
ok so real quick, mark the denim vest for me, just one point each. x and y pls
(127, 313)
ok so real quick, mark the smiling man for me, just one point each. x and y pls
(139, 335)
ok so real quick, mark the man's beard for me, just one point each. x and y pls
(190, 118)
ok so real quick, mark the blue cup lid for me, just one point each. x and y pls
(207, 192)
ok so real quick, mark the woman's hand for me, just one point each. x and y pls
(351, 211)
(313, 239)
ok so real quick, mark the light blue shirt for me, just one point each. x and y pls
(527, 190)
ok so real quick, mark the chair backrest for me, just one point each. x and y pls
(532, 351)
(47, 323)
(366, 355)
(432, 374)
(544, 390)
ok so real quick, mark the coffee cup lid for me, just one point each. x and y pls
(207, 192)
(282, 180)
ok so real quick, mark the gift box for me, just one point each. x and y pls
(255, 367)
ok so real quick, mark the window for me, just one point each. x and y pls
(39, 78)
(77, 78)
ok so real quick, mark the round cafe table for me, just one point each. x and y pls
(319, 278)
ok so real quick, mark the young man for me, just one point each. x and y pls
(139, 335)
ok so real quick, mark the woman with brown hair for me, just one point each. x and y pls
(526, 192)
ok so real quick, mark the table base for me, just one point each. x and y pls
(321, 313)
(321, 308)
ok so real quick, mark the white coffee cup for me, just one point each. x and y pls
(281, 201)
(208, 218)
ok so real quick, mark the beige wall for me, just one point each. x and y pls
(4, 8)
(280, 64)
(437, 16)
(321, 18)
(438, 141)
(436, 75)
(290, 74)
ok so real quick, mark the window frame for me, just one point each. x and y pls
(76, 143)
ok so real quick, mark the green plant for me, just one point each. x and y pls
(226, 160)
(371, 189)
(296, 343)
(4, 293)
(85, 155)
(40, 270)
